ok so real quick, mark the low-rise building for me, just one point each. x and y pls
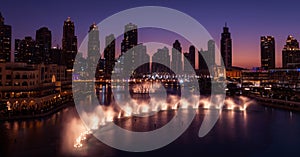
(32, 86)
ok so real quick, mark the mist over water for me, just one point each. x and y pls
(258, 131)
(95, 119)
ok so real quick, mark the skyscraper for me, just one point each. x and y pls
(69, 43)
(161, 56)
(93, 49)
(267, 52)
(142, 60)
(26, 51)
(187, 63)
(189, 60)
(109, 54)
(56, 56)
(177, 57)
(191, 56)
(211, 48)
(17, 50)
(207, 58)
(226, 47)
(202, 55)
(291, 53)
(43, 42)
(128, 43)
(130, 37)
(5, 41)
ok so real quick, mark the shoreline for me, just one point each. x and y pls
(274, 103)
(280, 104)
(43, 115)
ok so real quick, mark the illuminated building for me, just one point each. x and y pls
(43, 45)
(56, 56)
(207, 58)
(291, 53)
(254, 77)
(191, 56)
(26, 51)
(109, 54)
(234, 73)
(129, 41)
(187, 63)
(177, 57)
(226, 47)
(93, 47)
(267, 53)
(32, 84)
(161, 56)
(211, 49)
(5, 41)
(130, 37)
(286, 78)
(69, 43)
(142, 60)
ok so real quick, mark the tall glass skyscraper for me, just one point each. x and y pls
(109, 54)
(69, 43)
(267, 46)
(130, 37)
(93, 47)
(177, 57)
(226, 47)
(291, 53)
(5, 41)
(44, 42)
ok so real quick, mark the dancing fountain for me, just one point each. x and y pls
(133, 109)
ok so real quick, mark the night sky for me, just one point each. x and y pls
(247, 20)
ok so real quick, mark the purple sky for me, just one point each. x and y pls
(247, 19)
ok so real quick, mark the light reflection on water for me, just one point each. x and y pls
(255, 128)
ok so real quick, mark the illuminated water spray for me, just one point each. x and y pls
(96, 121)
(96, 117)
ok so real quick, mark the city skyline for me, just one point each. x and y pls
(43, 40)
(141, 78)
(247, 20)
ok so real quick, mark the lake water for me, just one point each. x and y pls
(257, 132)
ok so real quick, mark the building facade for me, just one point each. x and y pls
(142, 60)
(93, 46)
(5, 41)
(161, 56)
(109, 54)
(226, 47)
(191, 56)
(254, 77)
(207, 58)
(267, 52)
(32, 86)
(177, 57)
(26, 51)
(130, 39)
(43, 45)
(69, 43)
(291, 53)
(93, 53)
(127, 53)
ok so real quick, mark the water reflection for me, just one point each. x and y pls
(144, 105)
(237, 133)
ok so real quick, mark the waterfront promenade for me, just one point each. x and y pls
(277, 103)
(9, 116)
